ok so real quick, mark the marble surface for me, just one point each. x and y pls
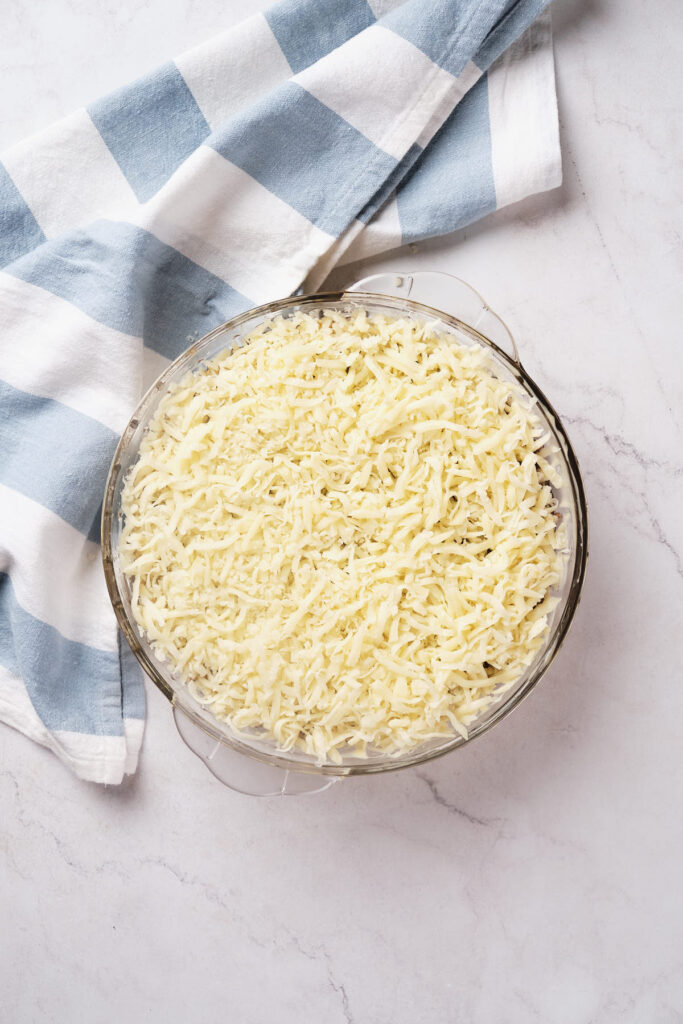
(534, 876)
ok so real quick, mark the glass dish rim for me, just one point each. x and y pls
(507, 704)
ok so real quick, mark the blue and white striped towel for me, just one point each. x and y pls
(320, 132)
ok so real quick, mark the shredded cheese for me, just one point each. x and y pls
(344, 533)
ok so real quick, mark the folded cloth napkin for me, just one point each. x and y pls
(320, 132)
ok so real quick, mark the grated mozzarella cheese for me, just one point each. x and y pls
(344, 533)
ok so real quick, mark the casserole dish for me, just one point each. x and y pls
(250, 762)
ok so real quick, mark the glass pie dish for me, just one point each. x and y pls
(248, 761)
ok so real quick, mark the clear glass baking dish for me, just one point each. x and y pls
(251, 763)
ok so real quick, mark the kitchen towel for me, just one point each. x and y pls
(319, 132)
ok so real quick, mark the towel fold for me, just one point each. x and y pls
(320, 132)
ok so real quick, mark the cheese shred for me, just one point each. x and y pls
(344, 534)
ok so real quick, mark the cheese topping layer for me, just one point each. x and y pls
(344, 533)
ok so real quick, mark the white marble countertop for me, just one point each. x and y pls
(534, 876)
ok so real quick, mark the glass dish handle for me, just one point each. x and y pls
(241, 773)
(444, 292)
